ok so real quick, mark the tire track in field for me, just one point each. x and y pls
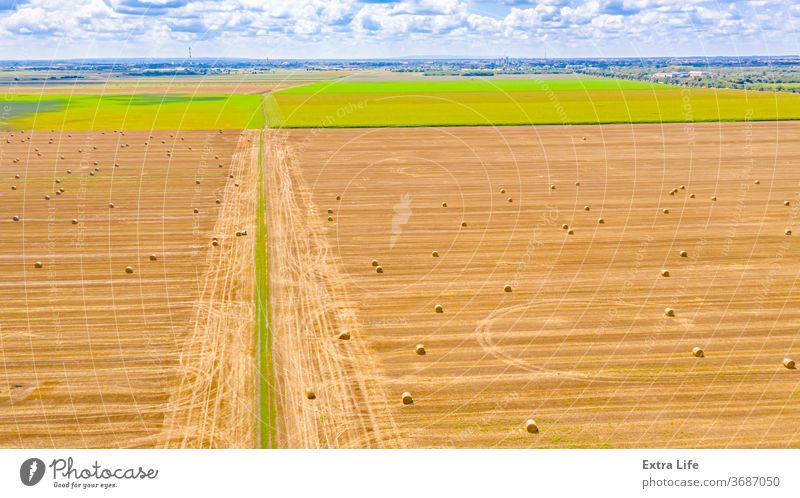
(310, 309)
(214, 406)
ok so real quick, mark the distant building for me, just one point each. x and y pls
(670, 75)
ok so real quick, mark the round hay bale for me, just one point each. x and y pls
(338, 197)
(61, 190)
(238, 233)
(215, 243)
(15, 218)
(74, 221)
(665, 211)
(682, 187)
(507, 288)
(218, 201)
(502, 191)
(757, 182)
(531, 426)
(672, 192)
(374, 262)
(310, 394)
(38, 264)
(196, 210)
(510, 199)
(586, 208)
(379, 269)
(565, 227)
(344, 335)
(111, 205)
(330, 218)
(153, 257)
(438, 308)
(788, 363)
(669, 311)
(552, 187)
(577, 184)
(47, 197)
(665, 273)
(600, 220)
(58, 180)
(785, 203)
(128, 269)
(444, 204)
(13, 187)
(684, 254)
(244, 232)
(91, 173)
(58, 192)
(698, 352)
(330, 211)
(435, 254)
(235, 184)
(420, 349)
(407, 399)
(464, 224)
(714, 198)
(691, 196)
(788, 231)
(197, 182)
(570, 231)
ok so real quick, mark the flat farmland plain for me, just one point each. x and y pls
(582, 342)
(94, 354)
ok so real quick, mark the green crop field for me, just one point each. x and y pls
(131, 112)
(472, 85)
(516, 102)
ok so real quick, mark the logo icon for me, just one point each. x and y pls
(31, 471)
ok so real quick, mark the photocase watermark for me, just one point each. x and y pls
(31, 471)
(67, 474)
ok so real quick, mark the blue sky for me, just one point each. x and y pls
(49, 29)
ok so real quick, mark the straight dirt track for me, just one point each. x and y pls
(581, 343)
(92, 356)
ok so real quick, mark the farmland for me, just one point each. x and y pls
(399, 287)
(343, 104)
(131, 112)
(121, 289)
(694, 219)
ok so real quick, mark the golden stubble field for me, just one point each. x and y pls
(581, 343)
(92, 355)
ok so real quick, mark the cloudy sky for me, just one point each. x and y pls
(47, 29)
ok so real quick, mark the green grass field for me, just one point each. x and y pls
(516, 102)
(472, 85)
(131, 112)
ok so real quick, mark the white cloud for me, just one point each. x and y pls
(323, 28)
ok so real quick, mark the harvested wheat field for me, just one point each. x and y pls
(122, 325)
(559, 280)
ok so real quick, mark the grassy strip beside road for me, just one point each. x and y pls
(267, 405)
